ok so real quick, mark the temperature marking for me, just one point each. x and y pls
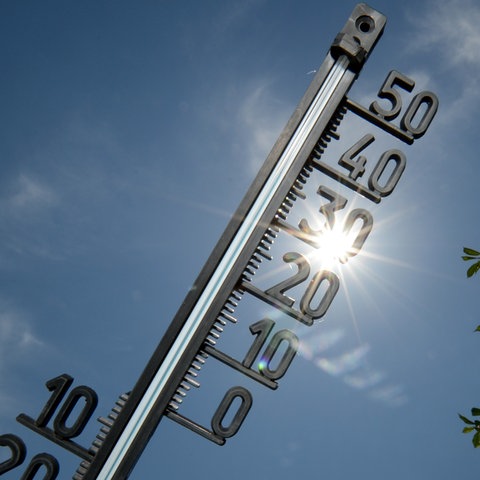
(227, 360)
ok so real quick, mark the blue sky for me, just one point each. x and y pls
(130, 132)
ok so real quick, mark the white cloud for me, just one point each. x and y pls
(312, 345)
(449, 32)
(250, 113)
(16, 335)
(261, 118)
(447, 36)
(235, 13)
(30, 193)
(351, 366)
(26, 195)
(347, 362)
(25, 207)
(18, 342)
(392, 395)
(451, 28)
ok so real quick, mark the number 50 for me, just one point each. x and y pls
(426, 101)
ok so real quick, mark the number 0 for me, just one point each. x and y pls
(332, 289)
(282, 336)
(367, 224)
(374, 183)
(428, 99)
(91, 400)
(246, 402)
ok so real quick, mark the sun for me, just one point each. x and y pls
(333, 245)
(338, 242)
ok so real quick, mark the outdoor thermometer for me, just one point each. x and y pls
(267, 279)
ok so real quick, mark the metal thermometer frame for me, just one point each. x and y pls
(222, 273)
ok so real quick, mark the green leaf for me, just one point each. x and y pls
(466, 258)
(470, 251)
(477, 329)
(473, 269)
(466, 420)
(476, 440)
(468, 429)
(475, 412)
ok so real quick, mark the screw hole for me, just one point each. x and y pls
(365, 24)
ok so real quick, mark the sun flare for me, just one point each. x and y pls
(334, 245)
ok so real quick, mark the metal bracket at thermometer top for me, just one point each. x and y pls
(241, 246)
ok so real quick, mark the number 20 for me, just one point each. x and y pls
(278, 290)
(18, 453)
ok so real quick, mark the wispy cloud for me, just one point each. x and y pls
(345, 363)
(449, 32)
(234, 13)
(27, 194)
(18, 342)
(450, 28)
(16, 335)
(351, 366)
(261, 117)
(253, 114)
(25, 205)
(51, 200)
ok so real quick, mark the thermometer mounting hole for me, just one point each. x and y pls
(365, 24)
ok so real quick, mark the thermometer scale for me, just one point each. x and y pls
(243, 251)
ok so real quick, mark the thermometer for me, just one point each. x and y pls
(291, 177)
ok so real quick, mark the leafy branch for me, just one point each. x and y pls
(472, 425)
(472, 255)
